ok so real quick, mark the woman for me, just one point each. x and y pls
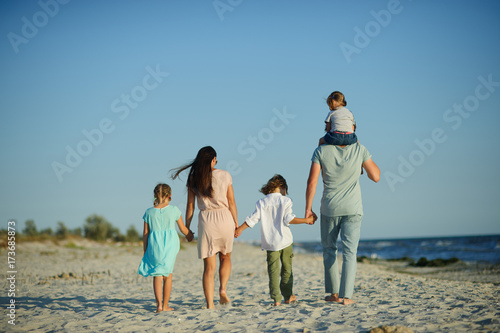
(341, 211)
(217, 219)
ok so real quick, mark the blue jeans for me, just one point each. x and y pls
(349, 228)
(339, 139)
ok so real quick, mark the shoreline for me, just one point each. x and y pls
(94, 286)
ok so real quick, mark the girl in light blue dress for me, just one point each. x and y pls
(161, 244)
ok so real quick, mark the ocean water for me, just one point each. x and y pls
(467, 248)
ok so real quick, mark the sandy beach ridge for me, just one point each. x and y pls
(81, 285)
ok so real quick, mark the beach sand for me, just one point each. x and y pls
(80, 286)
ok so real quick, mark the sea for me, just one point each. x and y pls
(481, 249)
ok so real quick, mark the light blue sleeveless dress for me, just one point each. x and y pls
(163, 241)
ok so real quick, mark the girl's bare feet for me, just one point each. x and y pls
(333, 298)
(223, 297)
(167, 308)
(159, 309)
(291, 299)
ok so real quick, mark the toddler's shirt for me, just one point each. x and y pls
(341, 119)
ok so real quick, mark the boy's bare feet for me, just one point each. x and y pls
(292, 299)
(333, 298)
(223, 297)
(277, 303)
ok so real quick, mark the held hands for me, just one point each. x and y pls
(311, 217)
(237, 232)
(190, 236)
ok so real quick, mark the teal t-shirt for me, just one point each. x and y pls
(340, 170)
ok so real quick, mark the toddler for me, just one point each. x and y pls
(340, 124)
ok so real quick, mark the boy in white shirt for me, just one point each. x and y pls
(275, 213)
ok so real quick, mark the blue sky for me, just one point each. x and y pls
(100, 99)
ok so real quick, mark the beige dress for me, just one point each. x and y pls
(215, 222)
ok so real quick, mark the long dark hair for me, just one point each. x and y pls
(200, 175)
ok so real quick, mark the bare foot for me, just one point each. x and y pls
(277, 303)
(291, 299)
(223, 297)
(348, 301)
(159, 309)
(333, 298)
(168, 308)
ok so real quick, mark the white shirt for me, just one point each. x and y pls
(341, 119)
(275, 213)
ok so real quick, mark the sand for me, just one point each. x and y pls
(94, 287)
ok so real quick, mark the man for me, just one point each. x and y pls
(341, 211)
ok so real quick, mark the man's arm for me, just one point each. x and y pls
(312, 182)
(372, 170)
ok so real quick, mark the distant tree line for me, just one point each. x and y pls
(96, 228)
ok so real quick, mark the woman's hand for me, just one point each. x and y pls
(190, 236)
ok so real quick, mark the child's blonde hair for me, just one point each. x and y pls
(336, 96)
(273, 184)
(161, 191)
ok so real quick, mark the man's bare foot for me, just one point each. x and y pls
(223, 297)
(291, 299)
(333, 298)
(277, 303)
(159, 309)
(348, 301)
(167, 308)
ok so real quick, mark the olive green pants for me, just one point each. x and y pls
(283, 273)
